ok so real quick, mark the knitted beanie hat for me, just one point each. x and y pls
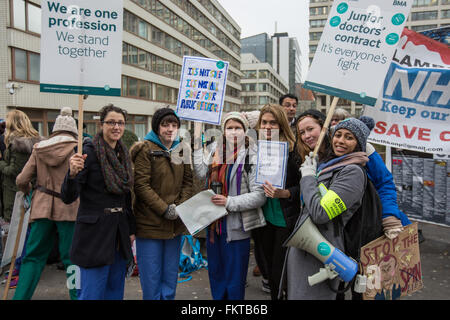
(358, 128)
(252, 118)
(65, 121)
(368, 121)
(160, 114)
(235, 116)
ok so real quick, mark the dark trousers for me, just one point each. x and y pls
(271, 242)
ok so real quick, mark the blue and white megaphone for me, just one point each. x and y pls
(307, 237)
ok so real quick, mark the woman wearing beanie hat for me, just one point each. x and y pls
(228, 239)
(160, 185)
(65, 122)
(308, 132)
(345, 181)
(48, 164)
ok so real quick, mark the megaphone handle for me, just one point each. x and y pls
(322, 275)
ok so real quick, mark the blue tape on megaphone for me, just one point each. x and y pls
(344, 266)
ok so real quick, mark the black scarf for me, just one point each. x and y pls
(115, 165)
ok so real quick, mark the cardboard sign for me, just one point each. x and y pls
(355, 49)
(271, 162)
(413, 110)
(81, 46)
(392, 266)
(202, 89)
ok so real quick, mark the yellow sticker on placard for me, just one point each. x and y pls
(332, 204)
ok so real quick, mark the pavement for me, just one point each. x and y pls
(435, 259)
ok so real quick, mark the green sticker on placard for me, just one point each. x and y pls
(335, 21)
(220, 64)
(342, 8)
(392, 38)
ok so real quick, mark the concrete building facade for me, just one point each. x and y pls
(261, 84)
(157, 34)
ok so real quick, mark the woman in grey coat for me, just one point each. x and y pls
(342, 174)
(228, 239)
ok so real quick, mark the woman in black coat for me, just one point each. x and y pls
(105, 226)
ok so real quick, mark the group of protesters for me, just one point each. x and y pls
(100, 201)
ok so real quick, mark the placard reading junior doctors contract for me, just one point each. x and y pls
(356, 47)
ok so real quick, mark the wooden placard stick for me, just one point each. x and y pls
(80, 124)
(16, 248)
(325, 125)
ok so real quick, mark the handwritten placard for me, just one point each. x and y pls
(202, 89)
(392, 267)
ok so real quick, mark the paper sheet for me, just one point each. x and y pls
(199, 212)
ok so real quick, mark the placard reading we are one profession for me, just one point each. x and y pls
(81, 46)
(356, 48)
(271, 162)
(202, 89)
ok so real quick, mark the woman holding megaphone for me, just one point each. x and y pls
(342, 178)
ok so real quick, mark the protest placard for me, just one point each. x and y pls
(271, 162)
(14, 227)
(81, 47)
(392, 266)
(413, 111)
(202, 89)
(355, 49)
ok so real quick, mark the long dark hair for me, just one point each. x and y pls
(303, 150)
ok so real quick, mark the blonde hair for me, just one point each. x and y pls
(280, 116)
(18, 125)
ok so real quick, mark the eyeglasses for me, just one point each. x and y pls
(112, 124)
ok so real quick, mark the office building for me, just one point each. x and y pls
(280, 51)
(261, 84)
(157, 34)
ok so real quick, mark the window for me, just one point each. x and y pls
(26, 65)
(315, 36)
(316, 11)
(26, 16)
(425, 3)
(445, 14)
(317, 23)
(135, 88)
(426, 15)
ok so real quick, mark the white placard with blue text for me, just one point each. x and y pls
(81, 47)
(271, 163)
(202, 89)
(356, 47)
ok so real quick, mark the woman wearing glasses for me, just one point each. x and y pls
(104, 231)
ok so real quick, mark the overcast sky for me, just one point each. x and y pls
(258, 16)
